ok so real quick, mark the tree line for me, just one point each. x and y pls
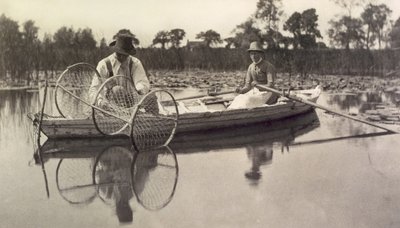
(23, 56)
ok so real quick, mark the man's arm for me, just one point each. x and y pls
(247, 82)
(271, 76)
(97, 81)
(140, 79)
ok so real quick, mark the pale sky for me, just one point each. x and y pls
(147, 17)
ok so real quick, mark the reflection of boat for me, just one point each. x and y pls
(267, 132)
(114, 174)
(278, 131)
(201, 114)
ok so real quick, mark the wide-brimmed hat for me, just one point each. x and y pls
(255, 46)
(123, 44)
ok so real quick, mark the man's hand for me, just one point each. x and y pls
(141, 89)
(238, 90)
(253, 83)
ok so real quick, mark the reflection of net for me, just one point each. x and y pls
(154, 121)
(74, 180)
(154, 177)
(75, 80)
(112, 175)
(117, 96)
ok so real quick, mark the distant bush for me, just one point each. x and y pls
(315, 61)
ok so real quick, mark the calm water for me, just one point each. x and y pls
(268, 175)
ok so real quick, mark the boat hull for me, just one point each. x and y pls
(188, 122)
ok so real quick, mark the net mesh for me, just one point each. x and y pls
(154, 177)
(117, 97)
(112, 175)
(74, 180)
(154, 121)
(75, 83)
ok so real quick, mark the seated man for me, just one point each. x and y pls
(260, 72)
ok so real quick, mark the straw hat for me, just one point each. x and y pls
(255, 46)
(123, 44)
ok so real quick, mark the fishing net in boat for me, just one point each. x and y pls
(72, 95)
(154, 120)
(74, 180)
(117, 108)
(116, 99)
(253, 98)
(112, 176)
(154, 177)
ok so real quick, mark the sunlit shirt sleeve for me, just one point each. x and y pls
(139, 76)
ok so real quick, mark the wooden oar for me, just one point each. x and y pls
(209, 94)
(318, 141)
(323, 108)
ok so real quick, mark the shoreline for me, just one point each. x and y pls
(19, 88)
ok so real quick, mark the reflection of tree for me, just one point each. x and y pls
(345, 102)
(259, 155)
(362, 101)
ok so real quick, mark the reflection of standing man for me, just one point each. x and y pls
(259, 155)
(113, 175)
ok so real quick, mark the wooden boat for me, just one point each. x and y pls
(194, 115)
(284, 131)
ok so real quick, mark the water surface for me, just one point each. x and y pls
(265, 175)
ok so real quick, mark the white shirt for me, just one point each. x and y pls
(137, 71)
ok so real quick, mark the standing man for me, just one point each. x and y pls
(261, 72)
(121, 62)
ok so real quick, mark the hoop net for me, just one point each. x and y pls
(74, 180)
(154, 177)
(117, 96)
(72, 88)
(154, 121)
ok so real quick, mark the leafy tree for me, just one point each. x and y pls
(346, 32)
(368, 19)
(349, 5)
(293, 25)
(31, 44)
(210, 37)
(163, 38)
(64, 37)
(48, 56)
(395, 35)
(176, 36)
(246, 33)
(64, 47)
(382, 19)
(309, 23)
(85, 45)
(231, 42)
(84, 39)
(103, 44)
(304, 28)
(10, 46)
(269, 13)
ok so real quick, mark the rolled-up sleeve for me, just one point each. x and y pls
(247, 81)
(271, 75)
(139, 76)
(97, 81)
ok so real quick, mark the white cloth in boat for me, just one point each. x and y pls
(251, 99)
